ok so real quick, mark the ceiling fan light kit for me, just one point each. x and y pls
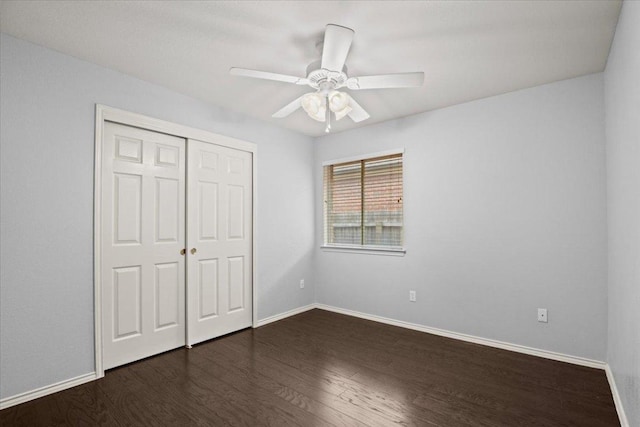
(328, 75)
(318, 105)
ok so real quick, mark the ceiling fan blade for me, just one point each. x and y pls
(336, 45)
(288, 109)
(386, 81)
(357, 113)
(234, 71)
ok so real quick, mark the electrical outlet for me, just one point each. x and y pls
(302, 284)
(542, 315)
(412, 296)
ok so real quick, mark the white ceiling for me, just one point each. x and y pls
(467, 49)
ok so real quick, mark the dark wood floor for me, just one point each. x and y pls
(320, 368)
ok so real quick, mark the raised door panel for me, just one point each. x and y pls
(128, 149)
(126, 295)
(167, 156)
(208, 211)
(167, 194)
(236, 212)
(208, 289)
(208, 159)
(127, 209)
(167, 295)
(235, 283)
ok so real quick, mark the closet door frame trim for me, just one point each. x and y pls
(110, 114)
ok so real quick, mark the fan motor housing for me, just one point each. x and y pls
(320, 78)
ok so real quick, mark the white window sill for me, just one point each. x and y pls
(369, 250)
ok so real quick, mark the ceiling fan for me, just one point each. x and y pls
(328, 75)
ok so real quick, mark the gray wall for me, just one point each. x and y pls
(504, 213)
(46, 199)
(622, 112)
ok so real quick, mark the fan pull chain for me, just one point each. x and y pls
(328, 128)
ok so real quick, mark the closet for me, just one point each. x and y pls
(176, 241)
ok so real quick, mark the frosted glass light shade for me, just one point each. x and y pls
(314, 105)
(339, 104)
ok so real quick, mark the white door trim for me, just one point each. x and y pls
(105, 113)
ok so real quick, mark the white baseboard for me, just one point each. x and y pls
(63, 385)
(624, 422)
(471, 338)
(284, 315)
(43, 391)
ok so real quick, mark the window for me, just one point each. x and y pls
(363, 203)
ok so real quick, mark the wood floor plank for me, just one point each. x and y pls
(326, 369)
(272, 385)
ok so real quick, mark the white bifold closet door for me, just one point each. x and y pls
(219, 235)
(143, 233)
(161, 195)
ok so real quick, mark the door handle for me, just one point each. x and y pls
(183, 251)
(193, 251)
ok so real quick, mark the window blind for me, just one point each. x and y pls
(363, 202)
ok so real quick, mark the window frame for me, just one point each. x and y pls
(363, 249)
